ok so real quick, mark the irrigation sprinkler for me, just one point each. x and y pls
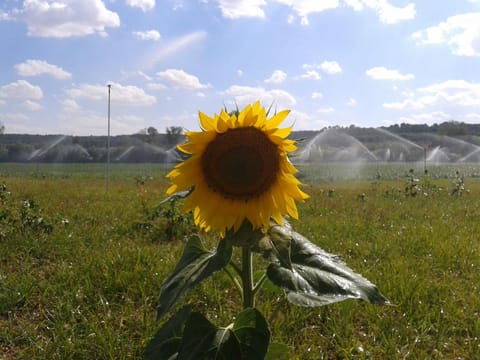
(425, 160)
(108, 141)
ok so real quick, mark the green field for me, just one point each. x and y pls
(81, 269)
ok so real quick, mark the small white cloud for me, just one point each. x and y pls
(120, 94)
(352, 102)
(235, 9)
(39, 67)
(382, 73)
(473, 117)
(317, 95)
(157, 86)
(70, 105)
(311, 75)
(405, 104)
(63, 19)
(278, 76)
(32, 105)
(357, 5)
(390, 14)
(239, 73)
(179, 79)
(147, 35)
(386, 12)
(426, 118)
(13, 117)
(303, 8)
(331, 67)
(460, 32)
(242, 95)
(145, 5)
(21, 89)
(326, 110)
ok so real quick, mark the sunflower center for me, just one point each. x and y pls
(241, 163)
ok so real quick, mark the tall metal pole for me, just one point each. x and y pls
(108, 140)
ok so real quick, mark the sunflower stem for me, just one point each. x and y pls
(247, 278)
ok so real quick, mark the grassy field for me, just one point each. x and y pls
(81, 269)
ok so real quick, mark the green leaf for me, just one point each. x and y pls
(317, 277)
(176, 196)
(167, 340)
(277, 245)
(251, 330)
(203, 340)
(195, 265)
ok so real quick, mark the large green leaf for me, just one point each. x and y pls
(317, 277)
(251, 330)
(203, 340)
(195, 265)
(167, 340)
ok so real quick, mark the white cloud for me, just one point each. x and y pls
(147, 35)
(331, 67)
(386, 12)
(311, 75)
(390, 14)
(234, 9)
(405, 104)
(317, 95)
(382, 73)
(326, 110)
(357, 5)
(303, 121)
(239, 73)
(452, 93)
(456, 92)
(32, 105)
(14, 117)
(179, 79)
(120, 94)
(242, 95)
(145, 5)
(39, 67)
(157, 86)
(278, 76)
(426, 118)
(352, 102)
(460, 32)
(70, 105)
(21, 89)
(303, 8)
(65, 18)
(474, 117)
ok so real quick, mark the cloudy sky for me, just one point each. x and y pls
(333, 62)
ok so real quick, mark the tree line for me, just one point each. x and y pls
(150, 145)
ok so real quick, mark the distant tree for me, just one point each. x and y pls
(2, 128)
(174, 135)
(152, 133)
(452, 128)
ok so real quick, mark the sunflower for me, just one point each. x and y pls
(239, 170)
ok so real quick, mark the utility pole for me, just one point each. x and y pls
(108, 140)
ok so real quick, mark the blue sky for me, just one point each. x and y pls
(332, 62)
